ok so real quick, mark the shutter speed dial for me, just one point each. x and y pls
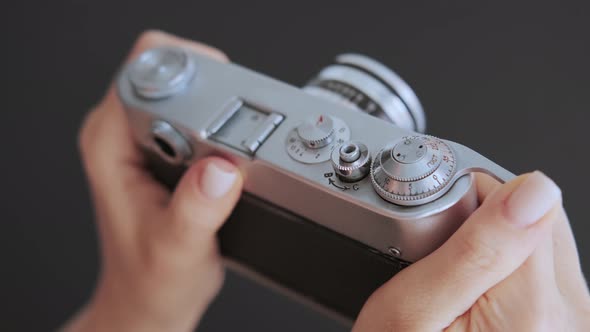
(313, 140)
(317, 132)
(414, 170)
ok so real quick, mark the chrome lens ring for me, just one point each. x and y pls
(367, 85)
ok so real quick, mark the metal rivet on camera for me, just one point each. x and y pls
(161, 72)
(169, 143)
(395, 252)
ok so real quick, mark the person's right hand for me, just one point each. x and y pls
(512, 266)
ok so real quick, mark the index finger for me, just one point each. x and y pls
(485, 185)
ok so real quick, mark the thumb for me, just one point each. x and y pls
(203, 200)
(495, 240)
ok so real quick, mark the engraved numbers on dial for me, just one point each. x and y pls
(313, 140)
(413, 171)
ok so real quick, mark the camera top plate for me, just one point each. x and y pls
(254, 120)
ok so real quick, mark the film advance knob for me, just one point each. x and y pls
(317, 132)
(414, 170)
(351, 161)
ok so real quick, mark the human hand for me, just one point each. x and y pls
(512, 266)
(160, 261)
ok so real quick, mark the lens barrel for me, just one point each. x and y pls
(369, 86)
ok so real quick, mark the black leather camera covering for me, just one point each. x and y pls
(317, 263)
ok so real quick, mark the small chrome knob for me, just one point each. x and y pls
(414, 170)
(169, 143)
(161, 72)
(317, 132)
(351, 161)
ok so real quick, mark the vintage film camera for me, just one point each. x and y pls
(342, 190)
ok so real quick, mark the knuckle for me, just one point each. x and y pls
(86, 133)
(548, 316)
(393, 315)
(149, 38)
(543, 322)
(543, 313)
(162, 262)
(478, 254)
(156, 261)
(189, 220)
(183, 220)
(540, 314)
(216, 276)
(213, 52)
(153, 273)
(153, 38)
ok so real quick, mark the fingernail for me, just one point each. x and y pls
(532, 199)
(218, 178)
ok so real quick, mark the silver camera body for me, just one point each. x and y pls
(340, 183)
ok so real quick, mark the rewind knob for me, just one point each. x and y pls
(161, 72)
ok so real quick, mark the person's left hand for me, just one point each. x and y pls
(160, 261)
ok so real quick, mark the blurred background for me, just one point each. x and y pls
(509, 79)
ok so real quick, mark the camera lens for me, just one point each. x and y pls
(367, 85)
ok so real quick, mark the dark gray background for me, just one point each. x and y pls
(509, 79)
